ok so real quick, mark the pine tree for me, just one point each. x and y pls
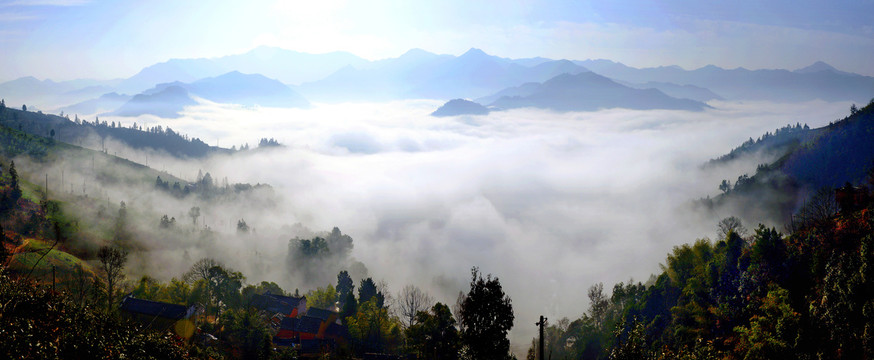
(14, 187)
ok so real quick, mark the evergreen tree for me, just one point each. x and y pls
(345, 286)
(14, 187)
(486, 316)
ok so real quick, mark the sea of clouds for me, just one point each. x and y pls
(550, 203)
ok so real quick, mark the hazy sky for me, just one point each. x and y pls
(65, 39)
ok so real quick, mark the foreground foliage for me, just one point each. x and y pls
(36, 323)
(806, 295)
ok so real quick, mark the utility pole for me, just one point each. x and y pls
(541, 324)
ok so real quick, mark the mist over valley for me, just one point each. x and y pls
(280, 180)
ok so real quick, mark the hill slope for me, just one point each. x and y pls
(84, 132)
(807, 160)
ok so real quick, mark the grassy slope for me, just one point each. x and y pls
(80, 236)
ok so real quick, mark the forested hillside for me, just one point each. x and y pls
(805, 161)
(94, 133)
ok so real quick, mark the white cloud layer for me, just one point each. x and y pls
(551, 203)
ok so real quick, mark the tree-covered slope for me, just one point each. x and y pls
(83, 132)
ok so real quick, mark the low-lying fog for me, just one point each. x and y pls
(550, 203)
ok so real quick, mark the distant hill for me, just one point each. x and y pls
(182, 70)
(460, 107)
(420, 74)
(167, 103)
(290, 67)
(106, 102)
(820, 66)
(588, 91)
(45, 94)
(247, 89)
(818, 81)
(169, 99)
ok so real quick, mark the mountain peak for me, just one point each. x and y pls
(817, 67)
(416, 53)
(474, 52)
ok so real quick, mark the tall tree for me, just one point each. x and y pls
(200, 271)
(434, 335)
(487, 316)
(14, 187)
(225, 285)
(121, 233)
(350, 307)
(194, 213)
(412, 300)
(112, 262)
(367, 290)
(345, 286)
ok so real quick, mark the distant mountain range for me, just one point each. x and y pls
(585, 91)
(105, 103)
(169, 99)
(418, 74)
(31, 91)
(289, 67)
(818, 81)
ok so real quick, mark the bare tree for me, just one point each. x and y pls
(411, 300)
(731, 224)
(80, 286)
(112, 262)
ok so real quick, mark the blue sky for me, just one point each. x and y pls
(65, 39)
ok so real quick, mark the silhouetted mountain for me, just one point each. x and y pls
(288, 66)
(182, 70)
(106, 102)
(460, 107)
(167, 103)
(815, 82)
(589, 91)
(168, 99)
(420, 74)
(818, 67)
(246, 89)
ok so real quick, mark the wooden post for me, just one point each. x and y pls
(541, 324)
